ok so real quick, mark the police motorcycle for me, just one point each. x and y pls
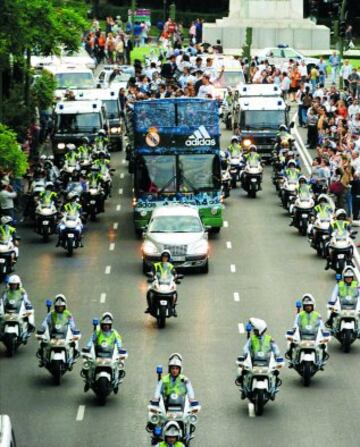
(260, 374)
(162, 295)
(51, 170)
(175, 408)
(344, 318)
(236, 163)
(340, 249)
(301, 210)
(225, 175)
(58, 348)
(319, 228)
(308, 349)
(14, 324)
(103, 368)
(9, 251)
(251, 176)
(93, 199)
(70, 230)
(46, 216)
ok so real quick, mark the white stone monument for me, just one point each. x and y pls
(273, 22)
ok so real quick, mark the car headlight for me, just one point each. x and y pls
(143, 213)
(214, 210)
(201, 247)
(114, 130)
(61, 146)
(149, 248)
(247, 142)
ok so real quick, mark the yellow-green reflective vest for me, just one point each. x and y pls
(345, 290)
(176, 386)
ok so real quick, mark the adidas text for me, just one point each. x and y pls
(200, 142)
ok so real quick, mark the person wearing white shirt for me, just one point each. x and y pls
(354, 108)
(7, 196)
(303, 71)
(206, 90)
(186, 77)
(345, 72)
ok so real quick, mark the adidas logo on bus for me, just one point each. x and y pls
(200, 137)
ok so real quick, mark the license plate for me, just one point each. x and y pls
(163, 303)
(253, 180)
(92, 202)
(304, 215)
(178, 258)
(71, 236)
(341, 256)
(45, 222)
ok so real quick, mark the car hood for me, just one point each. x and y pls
(174, 238)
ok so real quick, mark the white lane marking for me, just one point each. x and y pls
(122, 175)
(120, 191)
(302, 145)
(226, 223)
(228, 244)
(236, 296)
(108, 270)
(118, 207)
(80, 413)
(232, 268)
(124, 161)
(103, 298)
(241, 328)
(112, 246)
(115, 225)
(251, 409)
(302, 155)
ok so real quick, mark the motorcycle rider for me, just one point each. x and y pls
(323, 207)
(283, 134)
(15, 292)
(347, 286)
(101, 140)
(257, 342)
(308, 316)
(104, 335)
(252, 154)
(48, 196)
(340, 224)
(59, 316)
(172, 433)
(7, 232)
(71, 157)
(303, 192)
(292, 172)
(84, 150)
(72, 208)
(94, 180)
(163, 267)
(234, 147)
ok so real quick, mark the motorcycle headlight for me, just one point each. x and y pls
(115, 130)
(154, 419)
(149, 248)
(61, 146)
(87, 365)
(193, 419)
(201, 247)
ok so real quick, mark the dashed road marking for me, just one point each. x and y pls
(108, 270)
(103, 298)
(124, 161)
(232, 268)
(251, 409)
(115, 225)
(236, 296)
(241, 328)
(118, 207)
(112, 246)
(120, 191)
(228, 244)
(80, 413)
(226, 223)
(122, 175)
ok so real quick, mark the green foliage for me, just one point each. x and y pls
(16, 114)
(12, 158)
(43, 90)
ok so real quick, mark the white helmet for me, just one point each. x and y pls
(291, 163)
(6, 220)
(258, 324)
(107, 318)
(71, 147)
(235, 137)
(60, 300)
(340, 212)
(172, 428)
(348, 272)
(14, 279)
(175, 359)
(308, 299)
(322, 197)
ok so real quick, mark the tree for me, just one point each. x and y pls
(12, 158)
(43, 90)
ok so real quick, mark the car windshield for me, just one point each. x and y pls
(112, 108)
(175, 224)
(75, 80)
(78, 122)
(263, 119)
(230, 79)
(289, 53)
(121, 77)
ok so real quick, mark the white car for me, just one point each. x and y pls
(115, 76)
(280, 55)
(177, 228)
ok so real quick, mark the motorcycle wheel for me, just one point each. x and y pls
(56, 371)
(161, 318)
(233, 182)
(93, 214)
(340, 266)
(259, 402)
(307, 367)
(45, 235)
(346, 340)
(102, 390)
(69, 247)
(228, 124)
(11, 344)
(252, 193)
(303, 228)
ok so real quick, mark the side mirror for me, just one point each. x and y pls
(292, 125)
(86, 350)
(241, 359)
(177, 281)
(40, 332)
(290, 333)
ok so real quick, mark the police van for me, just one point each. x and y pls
(74, 120)
(258, 120)
(71, 77)
(7, 436)
(110, 99)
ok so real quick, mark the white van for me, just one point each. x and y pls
(71, 77)
(7, 437)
